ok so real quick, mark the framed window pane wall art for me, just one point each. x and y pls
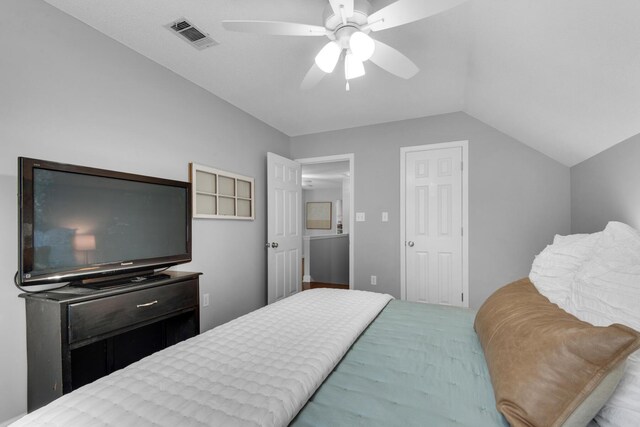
(221, 194)
(319, 215)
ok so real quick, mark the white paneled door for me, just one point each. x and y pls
(433, 235)
(284, 229)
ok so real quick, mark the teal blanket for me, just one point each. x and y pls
(415, 365)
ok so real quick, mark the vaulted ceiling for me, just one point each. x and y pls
(562, 76)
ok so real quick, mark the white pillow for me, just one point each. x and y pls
(554, 268)
(570, 238)
(621, 410)
(606, 290)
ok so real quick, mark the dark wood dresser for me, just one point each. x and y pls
(76, 335)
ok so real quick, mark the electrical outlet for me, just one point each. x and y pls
(374, 280)
(385, 216)
(360, 217)
(205, 300)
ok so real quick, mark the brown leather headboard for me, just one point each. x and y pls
(543, 361)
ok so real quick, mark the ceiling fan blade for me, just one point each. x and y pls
(275, 28)
(405, 11)
(313, 77)
(346, 4)
(389, 59)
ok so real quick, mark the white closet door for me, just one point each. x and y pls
(433, 226)
(284, 227)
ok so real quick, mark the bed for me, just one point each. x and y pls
(328, 357)
(434, 351)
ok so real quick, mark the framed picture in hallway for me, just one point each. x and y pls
(318, 215)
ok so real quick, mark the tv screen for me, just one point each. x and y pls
(78, 222)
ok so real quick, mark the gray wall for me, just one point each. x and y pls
(606, 188)
(330, 259)
(70, 94)
(518, 198)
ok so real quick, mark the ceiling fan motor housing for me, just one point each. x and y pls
(340, 31)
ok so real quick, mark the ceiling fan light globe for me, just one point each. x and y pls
(353, 67)
(362, 45)
(328, 57)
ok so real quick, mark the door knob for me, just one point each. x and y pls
(274, 245)
(410, 244)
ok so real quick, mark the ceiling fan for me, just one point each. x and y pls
(347, 24)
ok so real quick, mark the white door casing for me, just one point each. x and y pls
(434, 214)
(284, 227)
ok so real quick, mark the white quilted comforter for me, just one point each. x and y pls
(257, 370)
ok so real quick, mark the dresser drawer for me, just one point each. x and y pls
(92, 318)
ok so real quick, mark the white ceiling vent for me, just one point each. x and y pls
(192, 35)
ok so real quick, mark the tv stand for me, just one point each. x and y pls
(78, 334)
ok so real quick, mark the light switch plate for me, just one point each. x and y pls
(359, 216)
(385, 216)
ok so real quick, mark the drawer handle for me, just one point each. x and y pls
(147, 304)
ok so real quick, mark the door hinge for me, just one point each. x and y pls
(462, 296)
(462, 231)
(461, 166)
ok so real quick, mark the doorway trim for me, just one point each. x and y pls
(341, 158)
(464, 145)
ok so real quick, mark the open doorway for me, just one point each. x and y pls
(327, 207)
